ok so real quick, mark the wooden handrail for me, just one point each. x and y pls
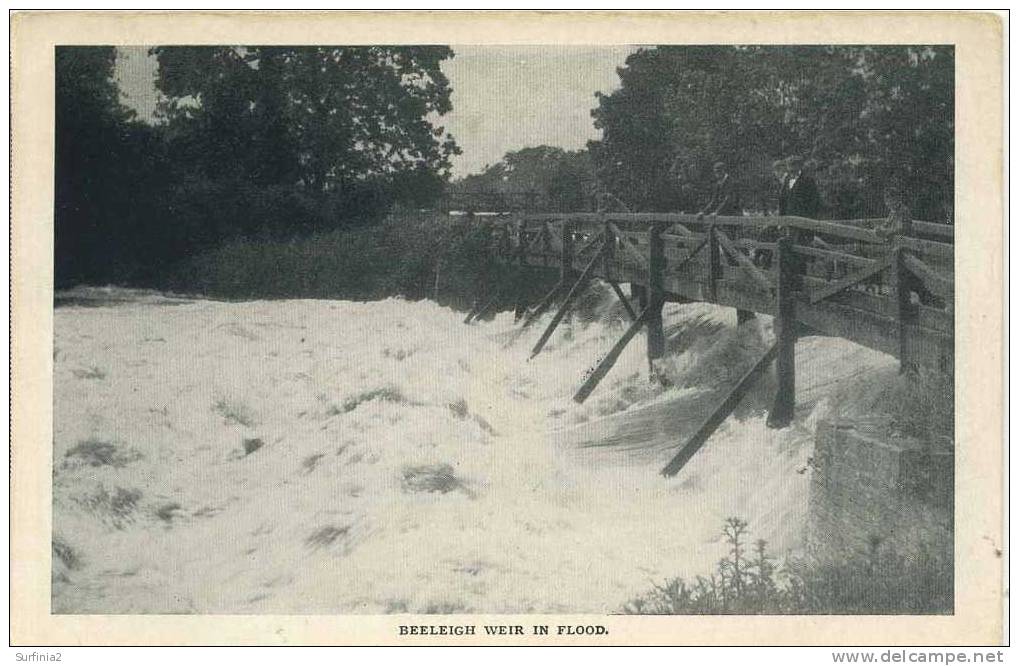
(858, 230)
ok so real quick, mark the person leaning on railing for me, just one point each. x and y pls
(798, 195)
(899, 221)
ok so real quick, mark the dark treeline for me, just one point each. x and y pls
(862, 117)
(267, 144)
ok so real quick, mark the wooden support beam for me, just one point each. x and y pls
(786, 328)
(760, 278)
(936, 283)
(715, 419)
(567, 302)
(609, 360)
(591, 242)
(542, 305)
(622, 297)
(608, 249)
(627, 246)
(682, 264)
(833, 255)
(638, 293)
(566, 255)
(652, 316)
(714, 267)
(903, 306)
(521, 300)
(850, 280)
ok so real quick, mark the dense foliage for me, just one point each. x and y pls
(252, 141)
(862, 116)
(266, 144)
(539, 178)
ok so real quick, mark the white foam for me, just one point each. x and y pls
(346, 397)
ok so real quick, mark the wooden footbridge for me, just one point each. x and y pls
(836, 278)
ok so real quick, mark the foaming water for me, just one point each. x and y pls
(338, 457)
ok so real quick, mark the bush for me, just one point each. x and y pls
(413, 255)
(745, 583)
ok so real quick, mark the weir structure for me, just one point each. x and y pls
(838, 278)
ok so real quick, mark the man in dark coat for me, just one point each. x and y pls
(724, 194)
(799, 195)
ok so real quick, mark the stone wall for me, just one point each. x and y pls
(875, 492)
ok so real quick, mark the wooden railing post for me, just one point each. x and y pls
(566, 257)
(781, 413)
(714, 266)
(609, 255)
(655, 296)
(520, 305)
(902, 301)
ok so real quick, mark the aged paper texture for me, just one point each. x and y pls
(167, 489)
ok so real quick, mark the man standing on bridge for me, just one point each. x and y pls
(724, 195)
(725, 201)
(799, 195)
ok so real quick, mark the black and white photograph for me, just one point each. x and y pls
(634, 329)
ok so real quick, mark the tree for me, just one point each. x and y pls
(861, 115)
(322, 118)
(107, 168)
(544, 177)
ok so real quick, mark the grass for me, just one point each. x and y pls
(747, 581)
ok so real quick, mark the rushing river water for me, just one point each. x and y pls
(340, 457)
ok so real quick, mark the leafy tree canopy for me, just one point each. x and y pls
(541, 177)
(321, 117)
(861, 115)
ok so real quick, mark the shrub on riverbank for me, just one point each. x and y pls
(413, 255)
(749, 581)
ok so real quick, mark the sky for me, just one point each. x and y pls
(504, 97)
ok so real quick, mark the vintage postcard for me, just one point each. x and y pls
(453, 328)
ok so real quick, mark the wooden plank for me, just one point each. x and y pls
(939, 230)
(609, 359)
(542, 305)
(634, 254)
(833, 255)
(928, 248)
(715, 419)
(940, 285)
(852, 229)
(567, 302)
(655, 297)
(782, 410)
(589, 244)
(743, 261)
(693, 253)
(849, 281)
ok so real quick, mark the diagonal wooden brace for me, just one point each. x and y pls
(624, 299)
(941, 286)
(848, 281)
(610, 359)
(693, 253)
(721, 412)
(759, 277)
(568, 301)
(542, 305)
